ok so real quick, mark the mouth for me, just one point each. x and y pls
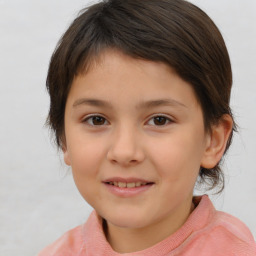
(127, 187)
(128, 184)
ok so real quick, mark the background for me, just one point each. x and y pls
(38, 199)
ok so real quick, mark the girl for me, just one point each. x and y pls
(140, 96)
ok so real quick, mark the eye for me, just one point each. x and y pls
(160, 120)
(95, 120)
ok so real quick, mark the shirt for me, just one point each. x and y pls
(207, 232)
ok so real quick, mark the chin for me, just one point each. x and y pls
(127, 223)
(127, 220)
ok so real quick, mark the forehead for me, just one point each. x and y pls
(114, 75)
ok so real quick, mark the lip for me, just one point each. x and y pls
(127, 192)
(126, 180)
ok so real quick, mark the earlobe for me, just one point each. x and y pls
(217, 142)
(64, 149)
(66, 156)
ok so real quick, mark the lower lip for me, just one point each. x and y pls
(127, 192)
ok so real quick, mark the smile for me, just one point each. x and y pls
(127, 187)
(127, 184)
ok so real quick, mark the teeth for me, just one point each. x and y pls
(121, 184)
(137, 184)
(127, 185)
(130, 185)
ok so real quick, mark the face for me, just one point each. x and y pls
(135, 140)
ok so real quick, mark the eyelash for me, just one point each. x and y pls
(169, 120)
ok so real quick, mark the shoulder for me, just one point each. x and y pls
(225, 234)
(230, 235)
(233, 226)
(69, 244)
(81, 240)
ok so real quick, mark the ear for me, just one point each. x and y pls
(66, 155)
(217, 142)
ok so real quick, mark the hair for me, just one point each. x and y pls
(174, 32)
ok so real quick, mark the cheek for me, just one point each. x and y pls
(85, 163)
(178, 155)
(85, 158)
(85, 152)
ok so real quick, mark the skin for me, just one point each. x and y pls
(128, 140)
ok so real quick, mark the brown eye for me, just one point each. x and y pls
(95, 120)
(159, 121)
(98, 120)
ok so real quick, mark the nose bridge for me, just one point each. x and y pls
(125, 147)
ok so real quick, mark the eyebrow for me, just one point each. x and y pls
(142, 105)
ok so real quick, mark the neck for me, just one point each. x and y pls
(127, 240)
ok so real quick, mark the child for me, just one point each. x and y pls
(140, 96)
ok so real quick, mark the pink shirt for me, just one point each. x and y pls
(206, 232)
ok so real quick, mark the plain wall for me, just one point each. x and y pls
(38, 199)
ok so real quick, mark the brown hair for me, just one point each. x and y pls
(171, 31)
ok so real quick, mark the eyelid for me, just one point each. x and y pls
(86, 118)
(168, 118)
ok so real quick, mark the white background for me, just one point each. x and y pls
(38, 200)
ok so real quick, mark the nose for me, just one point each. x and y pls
(125, 147)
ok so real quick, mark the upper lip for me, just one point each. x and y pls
(126, 180)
